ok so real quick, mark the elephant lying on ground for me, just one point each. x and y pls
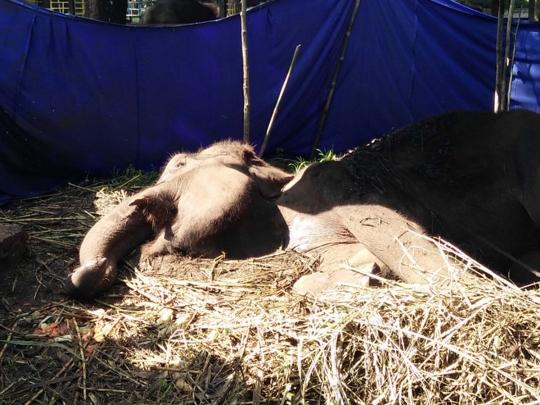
(471, 178)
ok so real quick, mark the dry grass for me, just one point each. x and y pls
(186, 331)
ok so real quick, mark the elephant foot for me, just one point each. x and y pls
(91, 278)
(317, 283)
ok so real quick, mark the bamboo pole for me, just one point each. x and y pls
(326, 107)
(278, 102)
(500, 61)
(506, 60)
(511, 63)
(243, 26)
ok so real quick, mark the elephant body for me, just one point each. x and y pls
(471, 178)
(166, 12)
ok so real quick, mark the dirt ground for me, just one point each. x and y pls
(49, 351)
(36, 278)
(32, 295)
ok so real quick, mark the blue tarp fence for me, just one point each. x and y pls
(78, 95)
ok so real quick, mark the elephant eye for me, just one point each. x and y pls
(258, 162)
(181, 162)
(178, 161)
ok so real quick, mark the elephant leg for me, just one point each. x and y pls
(343, 264)
(399, 242)
(335, 256)
(158, 247)
(318, 282)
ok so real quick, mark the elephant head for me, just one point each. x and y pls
(219, 200)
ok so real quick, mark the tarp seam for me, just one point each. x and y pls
(17, 99)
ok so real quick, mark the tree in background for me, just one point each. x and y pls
(113, 11)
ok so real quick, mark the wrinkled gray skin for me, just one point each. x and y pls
(472, 178)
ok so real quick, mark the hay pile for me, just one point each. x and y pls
(187, 331)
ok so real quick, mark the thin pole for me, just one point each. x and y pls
(500, 61)
(243, 25)
(278, 102)
(510, 76)
(505, 83)
(326, 108)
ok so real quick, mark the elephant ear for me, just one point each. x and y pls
(269, 179)
(157, 205)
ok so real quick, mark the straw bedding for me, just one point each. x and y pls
(180, 330)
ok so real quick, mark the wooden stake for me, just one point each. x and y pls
(326, 108)
(278, 102)
(511, 63)
(243, 25)
(506, 61)
(500, 60)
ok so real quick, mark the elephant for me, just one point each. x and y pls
(471, 178)
(165, 12)
(170, 12)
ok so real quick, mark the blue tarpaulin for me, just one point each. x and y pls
(78, 95)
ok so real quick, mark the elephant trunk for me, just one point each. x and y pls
(113, 237)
